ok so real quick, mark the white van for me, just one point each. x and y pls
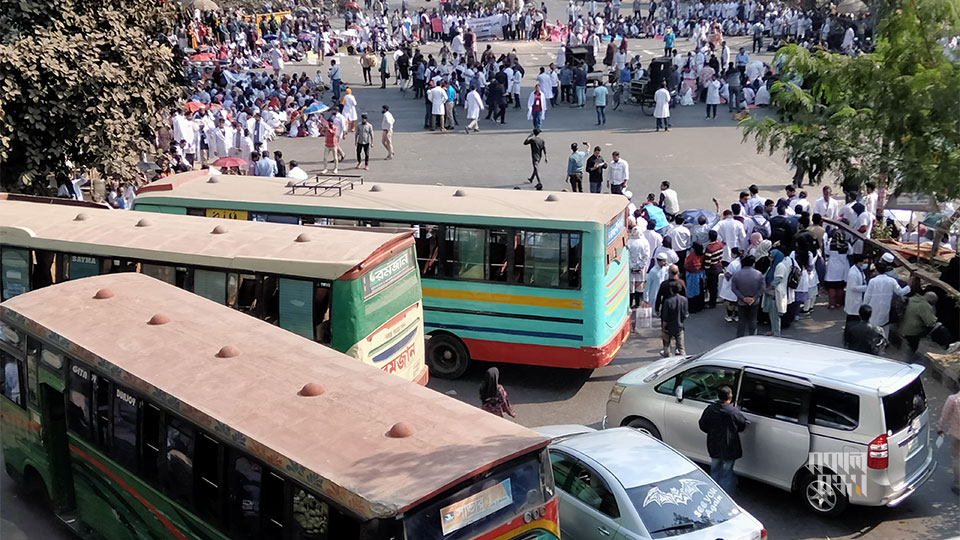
(835, 426)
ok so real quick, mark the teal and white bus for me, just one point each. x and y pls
(512, 276)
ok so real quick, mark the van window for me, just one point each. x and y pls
(835, 409)
(768, 397)
(702, 383)
(902, 406)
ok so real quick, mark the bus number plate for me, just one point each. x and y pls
(227, 214)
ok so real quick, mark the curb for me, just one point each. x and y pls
(945, 368)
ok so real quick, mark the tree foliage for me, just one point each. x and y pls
(83, 81)
(892, 116)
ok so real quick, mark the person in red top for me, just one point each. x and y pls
(713, 266)
(331, 137)
(695, 277)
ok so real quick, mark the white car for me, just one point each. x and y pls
(625, 485)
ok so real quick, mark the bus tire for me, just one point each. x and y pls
(447, 356)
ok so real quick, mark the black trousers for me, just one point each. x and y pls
(576, 182)
(713, 279)
(365, 149)
(501, 113)
(747, 325)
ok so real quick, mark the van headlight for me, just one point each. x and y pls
(616, 392)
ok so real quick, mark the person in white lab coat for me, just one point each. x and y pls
(662, 109)
(837, 269)
(219, 139)
(879, 295)
(731, 233)
(827, 207)
(856, 286)
(474, 104)
(639, 250)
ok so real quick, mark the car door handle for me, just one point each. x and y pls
(603, 530)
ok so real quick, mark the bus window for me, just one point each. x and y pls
(519, 258)
(81, 267)
(202, 212)
(210, 285)
(81, 399)
(15, 276)
(11, 378)
(542, 259)
(43, 268)
(570, 260)
(311, 516)
(101, 404)
(125, 412)
(296, 310)
(321, 313)
(33, 357)
(465, 252)
(243, 293)
(243, 500)
(499, 254)
(176, 473)
(207, 467)
(270, 296)
(428, 250)
(273, 507)
(150, 438)
(114, 266)
(162, 272)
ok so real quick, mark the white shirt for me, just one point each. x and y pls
(671, 203)
(387, 123)
(826, 209)
(618, 172)
(870, 203)
(879, 296)
(731, 233)
(680, 237)
(856, 285)
(662, 99)
(297, 173)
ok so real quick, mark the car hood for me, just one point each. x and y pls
(640, 375)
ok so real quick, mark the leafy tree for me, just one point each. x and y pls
(892, 116)
(83, 81)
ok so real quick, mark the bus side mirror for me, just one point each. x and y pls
(678, 392)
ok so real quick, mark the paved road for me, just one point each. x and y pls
(702, 159)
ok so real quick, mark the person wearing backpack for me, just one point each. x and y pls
(757, 223)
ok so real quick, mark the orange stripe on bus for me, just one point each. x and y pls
(622, 270)
(23, 423)
(103, 468)
(394, 320)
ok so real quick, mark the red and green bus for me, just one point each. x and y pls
(144, 411)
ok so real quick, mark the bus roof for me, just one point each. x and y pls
(400, 198)
(340, 436)
(241, 245)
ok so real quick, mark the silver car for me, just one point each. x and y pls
(835, 426)
(623, 484)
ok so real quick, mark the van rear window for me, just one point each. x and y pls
(902, 406)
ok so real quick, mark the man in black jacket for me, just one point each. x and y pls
(861, 336)
(722, 422)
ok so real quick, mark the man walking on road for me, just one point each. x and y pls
(387, 126)
(618, 175)
(672, 314)
(575, 168)
(950, 424)
(538, 150)
(722, 422)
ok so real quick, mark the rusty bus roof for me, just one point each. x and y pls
(398, 199)
(221, 243)
(337, 442)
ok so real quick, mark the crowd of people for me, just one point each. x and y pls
(767, 261)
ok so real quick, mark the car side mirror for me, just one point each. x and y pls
(678, 393)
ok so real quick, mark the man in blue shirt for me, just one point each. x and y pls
(575, 169)
(742, 60)
(263, 166)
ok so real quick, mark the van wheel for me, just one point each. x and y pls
(447, 356)
(823, 495)
(645, 426)
(34, 488)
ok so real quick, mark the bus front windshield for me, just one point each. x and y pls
(487, 502)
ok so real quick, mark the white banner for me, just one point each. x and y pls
(488, 27)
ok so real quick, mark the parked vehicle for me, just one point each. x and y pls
(835, 426)
(623, 484)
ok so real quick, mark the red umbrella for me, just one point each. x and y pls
(194, 106)
(229, 162)
(203, 57)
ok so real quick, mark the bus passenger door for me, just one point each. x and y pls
(57, 448)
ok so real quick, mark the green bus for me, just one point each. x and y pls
(143, 411)
(508, 275)
(353, 290)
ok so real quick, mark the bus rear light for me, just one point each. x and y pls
(878, 453)
(763, 534)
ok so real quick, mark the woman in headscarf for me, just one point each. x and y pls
(837, 268)
(695, 276)
(755, 239)
(493, 398)
(775, 300)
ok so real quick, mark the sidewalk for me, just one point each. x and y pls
(944, 367)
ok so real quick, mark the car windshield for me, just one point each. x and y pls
(681, 504)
